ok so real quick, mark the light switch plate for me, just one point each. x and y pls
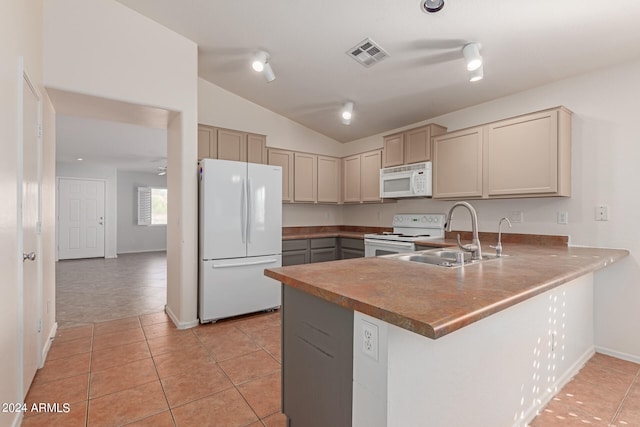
(563, 217)
(602, 213)
(517, 217)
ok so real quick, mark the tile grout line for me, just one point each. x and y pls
(155, 367)
(635, 380)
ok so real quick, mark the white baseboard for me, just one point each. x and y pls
(180, 325)
(47, 345)
(563, 379)
(17, 419)
(618, 354)
(142, 251)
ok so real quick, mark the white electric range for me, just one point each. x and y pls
(407, 229)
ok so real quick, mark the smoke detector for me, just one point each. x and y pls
(367, 52)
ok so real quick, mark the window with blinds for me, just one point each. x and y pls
(152, 206)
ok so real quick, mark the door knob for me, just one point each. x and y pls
(31, 256)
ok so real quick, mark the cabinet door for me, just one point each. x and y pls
(295, 258)
(351, 187)
(457, 164)
(328, 174)
(349, 254)
(393, 150)
(370, 176)
(232, 145)
(417, 145)
(522, 155)
(323, 255)
(256, 149)
(284, 159)
(305, 177)
(207, 143)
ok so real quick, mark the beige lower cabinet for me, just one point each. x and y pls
(525, 156)
(361, 182)
(227, 144)
(457, 164)
(284, 159)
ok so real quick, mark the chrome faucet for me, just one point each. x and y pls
(498, 247)
(474, 246)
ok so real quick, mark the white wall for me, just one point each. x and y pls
(104, 49)
(20, 22)
(605, 154)
(131, 236)
(219, 107)
(110, 175)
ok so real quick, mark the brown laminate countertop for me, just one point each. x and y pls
(316, 232)
(434, 301)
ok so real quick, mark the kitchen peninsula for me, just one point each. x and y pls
(383, 342)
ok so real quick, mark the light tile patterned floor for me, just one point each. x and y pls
(137, 369)
(143, 371)
(606, 392)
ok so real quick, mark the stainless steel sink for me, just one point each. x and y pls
(442, 257)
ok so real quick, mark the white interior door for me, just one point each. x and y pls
(80, 218)
(30, 215)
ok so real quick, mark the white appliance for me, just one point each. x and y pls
(413, 180)
(407, 229)
(240, 223)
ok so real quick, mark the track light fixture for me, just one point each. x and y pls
(347, 113)
(261, 65)
(471, 53)
(476, 75)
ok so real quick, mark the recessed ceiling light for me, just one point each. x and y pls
(432, 6)
(347, 113)
(79, 159)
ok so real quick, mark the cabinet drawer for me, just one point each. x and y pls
(294, 258)
(350, 243)
(352, 253)
(294, 245)
(322, 255)
(326, 242)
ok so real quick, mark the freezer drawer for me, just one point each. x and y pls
(231, 287)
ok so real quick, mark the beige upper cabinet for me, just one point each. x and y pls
(411, 146)
(207, 142)
(351, 179)
(417, 143)
(457, 164)
(525, 156)
(305, 177)
(256, 148)
(328, 179)
(284, 159)
(227, 144)
(393, 149)
(370, 176)
(232, 145)
(530, 154)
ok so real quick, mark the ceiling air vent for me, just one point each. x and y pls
(367, 52)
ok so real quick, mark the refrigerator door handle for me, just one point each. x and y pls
(243, 218)
(249, 210)
(244, 264)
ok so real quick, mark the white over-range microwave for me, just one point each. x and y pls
(406, 181)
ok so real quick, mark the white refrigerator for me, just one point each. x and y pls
(240, 224)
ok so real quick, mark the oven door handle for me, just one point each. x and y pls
(388, 243)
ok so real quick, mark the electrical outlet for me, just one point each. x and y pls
(602, 213)
(563, 217)
(517, 217)
(370, 339)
